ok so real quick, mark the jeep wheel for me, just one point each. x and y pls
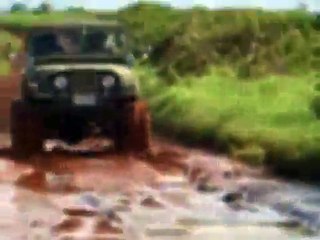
(26, 131)
(134, 129)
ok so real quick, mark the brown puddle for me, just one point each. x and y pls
(151, 203)
(104, 226)
(71, 224)
(34, 180)
(79, 212)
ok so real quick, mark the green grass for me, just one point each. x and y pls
(6, 37)
(4, 68)
(28, 19)
(262, 122)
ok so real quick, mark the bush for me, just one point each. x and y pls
(315, 106)
(317, 87)
(76, 9)
(18, 7)
(44, 7)
(253, 41)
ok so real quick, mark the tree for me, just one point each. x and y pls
(316, 23)
(44, 7)
(76, 9)
(18, 7)
(303, 6)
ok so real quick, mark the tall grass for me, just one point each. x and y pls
(254, 42)
(25, 20)
(267, 121)
(5, 68)
(6, 37)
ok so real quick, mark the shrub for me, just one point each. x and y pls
(315, 106)
(253, 42)
(18, 7)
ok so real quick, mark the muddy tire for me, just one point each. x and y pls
(26, 130)
(134, 129)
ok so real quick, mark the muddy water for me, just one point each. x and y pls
(84, 194)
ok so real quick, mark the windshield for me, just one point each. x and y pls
(77, 41)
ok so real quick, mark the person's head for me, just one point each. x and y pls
(96, 40)
(69, 42)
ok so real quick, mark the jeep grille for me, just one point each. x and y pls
(83, 82)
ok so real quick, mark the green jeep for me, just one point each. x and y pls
(78, 82)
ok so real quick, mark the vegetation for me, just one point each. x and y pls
(252, 42)
(262, 122)
(44, 7)
(243, 82)
(23, 21)
(6, 38)
(18, 7)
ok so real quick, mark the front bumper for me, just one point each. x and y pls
(101, 113)
(105, 103)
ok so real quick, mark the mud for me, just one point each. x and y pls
(68, 225)
(79, 212)
(151, 202)
(9, 89)
(104, 226)
(101, 194)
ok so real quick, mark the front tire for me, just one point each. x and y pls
(133, 130)
(26, 130)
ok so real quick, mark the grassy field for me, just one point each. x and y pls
(267, 121)
(28, 19)
(249, 96)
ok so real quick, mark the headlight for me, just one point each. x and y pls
(60, 82)
(108, 81)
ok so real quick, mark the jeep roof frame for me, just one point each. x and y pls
(72, 24)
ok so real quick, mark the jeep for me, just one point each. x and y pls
(78, 82)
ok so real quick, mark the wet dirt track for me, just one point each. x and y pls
(89, 192)
(79, 195)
